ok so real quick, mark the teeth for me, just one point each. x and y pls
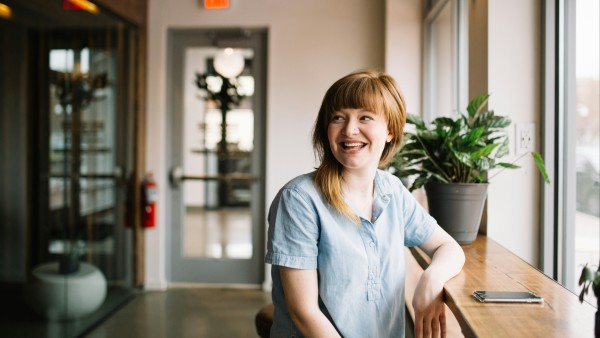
(354, 144)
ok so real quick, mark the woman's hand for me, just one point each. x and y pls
(430, 315)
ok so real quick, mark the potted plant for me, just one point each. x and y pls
(591, 278)
(451, 159)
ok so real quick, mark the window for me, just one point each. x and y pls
(445, 58)
(585, 122)
(572, 91)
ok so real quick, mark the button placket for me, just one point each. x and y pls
(374, 266)
(373, 288)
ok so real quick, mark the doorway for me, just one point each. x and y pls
(216, 143)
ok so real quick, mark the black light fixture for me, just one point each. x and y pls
(221, 85)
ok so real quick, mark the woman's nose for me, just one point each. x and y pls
(351, 127)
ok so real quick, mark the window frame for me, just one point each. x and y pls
(557, 238)
(460, 61)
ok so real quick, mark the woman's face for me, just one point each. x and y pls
(357, 138)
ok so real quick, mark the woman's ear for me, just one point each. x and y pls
(389, 137)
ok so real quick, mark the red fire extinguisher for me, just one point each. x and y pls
(149, 205)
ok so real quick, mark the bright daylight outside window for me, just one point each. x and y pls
(587, 125)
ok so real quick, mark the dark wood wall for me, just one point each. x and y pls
(135, 11)
(13, 147)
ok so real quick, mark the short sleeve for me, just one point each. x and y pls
(293, 231)
(419, 225)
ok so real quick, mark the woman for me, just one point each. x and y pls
(336, 235)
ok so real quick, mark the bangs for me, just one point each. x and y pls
(369, 90)
(362, 94)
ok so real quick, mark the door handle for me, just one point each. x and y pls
(116, 175)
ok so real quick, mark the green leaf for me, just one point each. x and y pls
(443, 122)
(483, 164)
(582, 294)
(498, 122)
(416, 120)
(407, 172)
(503, 149)
(482, 118)
(463, 157)
(507, 165)
(419, 182)
(485, 151)
(439, 177)
(406, 151)
(460, 123)
(428, 135)
(586, 275)
(540, 164)
(477, 104)
(473, 136)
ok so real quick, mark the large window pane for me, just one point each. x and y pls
(587, 137)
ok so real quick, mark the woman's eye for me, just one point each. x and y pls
(337, 118)
(366, 118)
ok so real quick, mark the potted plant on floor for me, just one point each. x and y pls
(451, 159)
(591, 278)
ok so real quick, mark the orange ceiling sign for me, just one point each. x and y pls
(216, 4)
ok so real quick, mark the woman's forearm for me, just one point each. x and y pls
(301, 297)
(447, 257)
(447, 261)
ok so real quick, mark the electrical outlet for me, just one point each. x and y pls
(525, 138)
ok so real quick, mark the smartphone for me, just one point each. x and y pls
(507, 296)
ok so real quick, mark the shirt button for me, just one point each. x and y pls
(372, 244)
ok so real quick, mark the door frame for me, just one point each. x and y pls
(177, 41)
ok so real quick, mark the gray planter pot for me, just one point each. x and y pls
(457, 207)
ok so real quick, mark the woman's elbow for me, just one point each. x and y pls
(460, 256)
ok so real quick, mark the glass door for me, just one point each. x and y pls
(66, 112)
(87, 156)
(217, 163)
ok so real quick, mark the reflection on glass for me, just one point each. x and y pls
(221, 233)
(240, 129)
(218, 222)
(587, 221)
(81, 148)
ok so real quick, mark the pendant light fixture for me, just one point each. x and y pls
(229, 63)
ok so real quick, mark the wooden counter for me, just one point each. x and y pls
(489, 266)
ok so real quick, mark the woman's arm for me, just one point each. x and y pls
(447, 259)
(301, 291)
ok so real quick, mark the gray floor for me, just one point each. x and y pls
(186, 312)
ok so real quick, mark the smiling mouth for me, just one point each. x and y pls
(353, 145)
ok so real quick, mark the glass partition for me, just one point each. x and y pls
(72, 103)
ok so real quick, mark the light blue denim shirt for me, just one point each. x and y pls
(360, 267)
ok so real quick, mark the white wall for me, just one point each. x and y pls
(403, 49)
(514, 84)
(311, 44)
